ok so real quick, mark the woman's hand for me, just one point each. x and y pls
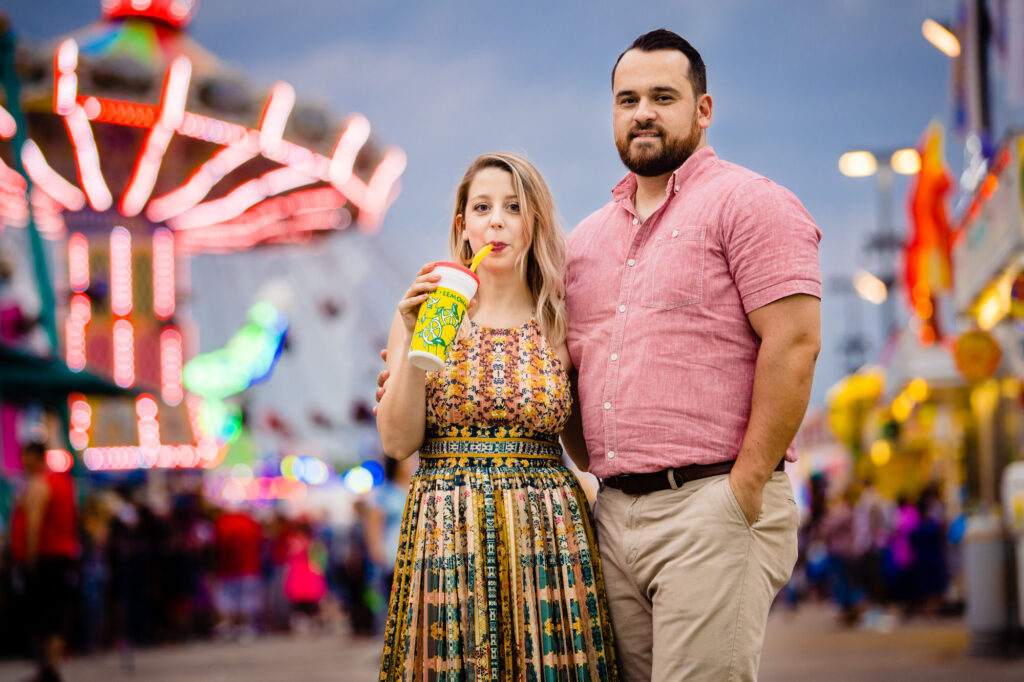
(409, 307)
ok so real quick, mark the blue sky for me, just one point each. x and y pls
(795, 84)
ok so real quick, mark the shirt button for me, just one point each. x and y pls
(607, 406)
(675, 233)
(631, 262)
(677, 188)
(622, 308)
(636, 221)
(611, 454)
(615, 356)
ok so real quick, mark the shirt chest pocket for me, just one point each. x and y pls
(672, 272)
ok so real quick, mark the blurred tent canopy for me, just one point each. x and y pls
(27, 378)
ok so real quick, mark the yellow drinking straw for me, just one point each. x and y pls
(479, 257)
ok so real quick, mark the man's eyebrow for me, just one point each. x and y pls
(658, 89)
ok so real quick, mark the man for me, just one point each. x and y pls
(44, 543)
(694, 305)
(693, 300)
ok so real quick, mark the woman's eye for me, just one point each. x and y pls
(513, 207)
(480, 207)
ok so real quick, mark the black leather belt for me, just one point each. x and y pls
(641, 484)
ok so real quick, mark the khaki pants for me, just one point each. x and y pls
(689, 581)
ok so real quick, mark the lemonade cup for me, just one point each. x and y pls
(441, 316)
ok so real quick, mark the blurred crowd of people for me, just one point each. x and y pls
(877, 558)
(128, 572)
(108, 569)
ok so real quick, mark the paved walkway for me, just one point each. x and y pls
(804, 646)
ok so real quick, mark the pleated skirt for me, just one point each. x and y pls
(498, 575)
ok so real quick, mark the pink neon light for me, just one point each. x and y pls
(50, 180)
(272, 125)
(163, 273)
(74, 341)
(124, 353)
(283, 218)
(172, 112)
(149, 429)
(48, 213)
(7, 125)
(245, 196)
(143, 457)
(233, 135)
(302, 166)
(11, 180)
(120, 271)
(345, 152)
(275, 116)
(198, 185)
(171, 361)
(67, 56)
(81, 421)
(91, 107)
(65, 80)
(382, 189)
(78, 262)
(80, 308)
(81, 413)
(58, 461)
(87, 159)
(79, 314)
(67, 88)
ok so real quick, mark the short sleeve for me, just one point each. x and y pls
(770, 243)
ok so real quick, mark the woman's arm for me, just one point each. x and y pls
(402, 413)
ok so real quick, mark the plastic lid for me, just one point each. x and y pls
(460, 267)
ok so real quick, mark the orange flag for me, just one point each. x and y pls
(928, 270)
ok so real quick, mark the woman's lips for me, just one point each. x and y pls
(498, 246)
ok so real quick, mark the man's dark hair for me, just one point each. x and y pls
(663, 39)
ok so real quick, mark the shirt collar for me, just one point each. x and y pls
(626, 188)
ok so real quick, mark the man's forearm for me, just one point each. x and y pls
(782, 388)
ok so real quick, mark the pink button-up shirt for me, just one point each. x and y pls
(658, 309)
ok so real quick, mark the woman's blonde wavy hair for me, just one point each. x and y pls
(545, 253)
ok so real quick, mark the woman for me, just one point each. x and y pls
(498, 576)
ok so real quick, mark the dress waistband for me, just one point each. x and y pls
(490, 441)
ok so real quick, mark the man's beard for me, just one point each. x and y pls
(651, 163)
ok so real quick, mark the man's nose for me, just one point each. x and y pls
(644, 112)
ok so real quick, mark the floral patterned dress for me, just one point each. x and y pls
(498, 575)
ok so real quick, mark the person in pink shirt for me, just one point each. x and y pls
(694, 324)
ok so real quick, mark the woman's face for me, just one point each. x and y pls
(493, 216)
